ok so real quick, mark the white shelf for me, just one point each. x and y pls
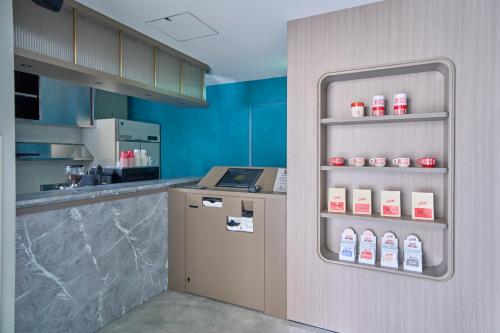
(433, 272)
(411, 117)
(385, 169)
(404, 220)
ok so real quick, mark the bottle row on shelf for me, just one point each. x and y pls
(365, 252)
(401, 162)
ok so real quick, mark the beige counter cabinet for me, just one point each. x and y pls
(247, 269)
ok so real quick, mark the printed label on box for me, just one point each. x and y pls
(367, 248)
(347, 251)
(362, 208)
(390, 210)
(362, 202)
(337, 207)
(336, 200)
(423, 213)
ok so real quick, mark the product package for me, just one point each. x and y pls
(362, 202)
(390, 203)
(389, 257)
(422, 206)
(412, 254)
(347, 250)
(336, 200)
(367, 248)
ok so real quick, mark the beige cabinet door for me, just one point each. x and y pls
(222, 264)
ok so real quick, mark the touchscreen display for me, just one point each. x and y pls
(239, 177)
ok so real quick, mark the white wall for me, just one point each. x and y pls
(7, 176)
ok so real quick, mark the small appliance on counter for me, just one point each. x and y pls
(132, 174)
(95, 177)
(74, 174)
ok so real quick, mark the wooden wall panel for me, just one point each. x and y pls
(353, 300)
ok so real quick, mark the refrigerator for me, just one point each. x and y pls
(109, 137)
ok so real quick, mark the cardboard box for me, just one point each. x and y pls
(390, 203)
(422, 206)
(362, 202)
(336, 200)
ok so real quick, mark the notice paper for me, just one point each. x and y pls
(280, 183)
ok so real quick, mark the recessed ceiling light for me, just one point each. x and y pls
(26, 65)
(99, 83)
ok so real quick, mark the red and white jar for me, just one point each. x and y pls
(378, 105)
(357, 109)
(400, 104)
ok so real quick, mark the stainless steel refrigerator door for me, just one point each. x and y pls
(153, 150)
(137, 131)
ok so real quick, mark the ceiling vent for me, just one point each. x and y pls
(183, 27)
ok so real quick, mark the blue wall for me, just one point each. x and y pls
(194, 140)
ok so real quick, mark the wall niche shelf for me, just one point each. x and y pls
(401, 221)
(428, 129)
(431, 272)
(385, 169)
(432, 116)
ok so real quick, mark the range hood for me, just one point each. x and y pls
(29, 151)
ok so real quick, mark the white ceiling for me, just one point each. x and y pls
(251, 43)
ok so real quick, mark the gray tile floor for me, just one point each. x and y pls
(185, 313)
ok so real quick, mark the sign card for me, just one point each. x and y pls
(390, 203)
(389, 257)
(362, 202)
(336, 200)
(412, 254)
(367, 248)
(422, 206)
(280, 182)
(347, 250)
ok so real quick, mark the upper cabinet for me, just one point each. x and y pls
(137, 60)
(85, 47)
(192, 81)
(97, 44)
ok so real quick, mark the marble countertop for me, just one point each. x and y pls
(92, 192)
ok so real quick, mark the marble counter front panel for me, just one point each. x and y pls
(79, 268)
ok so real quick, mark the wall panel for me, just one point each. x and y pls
(352, 300)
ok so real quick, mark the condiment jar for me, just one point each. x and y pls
(400, 104)
(357, 109)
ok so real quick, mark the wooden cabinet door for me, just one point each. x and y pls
(222, 264)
